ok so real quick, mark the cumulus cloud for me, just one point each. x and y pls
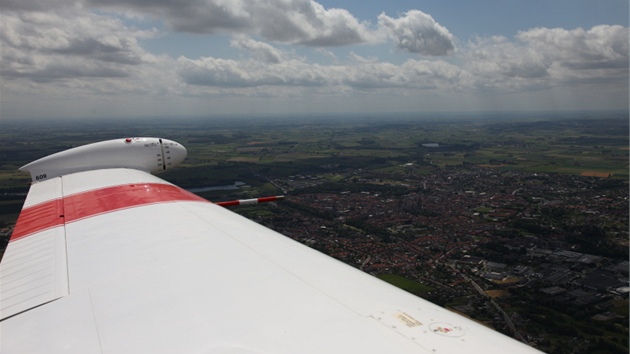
(46, 46)
(357, 73)
(500, 63)
(37, 5)
(537, 59)
(261, 51)
(601, 47)
(418, 32)
(303, 22)
(222, 73)
(412, 74)
(544, 57)
(90, 46)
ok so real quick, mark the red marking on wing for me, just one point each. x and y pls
(38, 218)
(91, 203)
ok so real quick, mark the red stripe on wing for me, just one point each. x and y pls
(91, 203)
(38, 218)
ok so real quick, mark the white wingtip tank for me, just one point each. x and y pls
(146, 154)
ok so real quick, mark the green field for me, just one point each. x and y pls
(406, 284)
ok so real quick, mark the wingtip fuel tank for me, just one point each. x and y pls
(152, 155)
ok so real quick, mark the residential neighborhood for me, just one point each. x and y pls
(507, 248)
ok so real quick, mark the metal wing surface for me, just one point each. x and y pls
(116, 260)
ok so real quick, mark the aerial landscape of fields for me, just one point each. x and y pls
(519, 221)
(405, 154)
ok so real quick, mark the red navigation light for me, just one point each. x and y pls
(128, 140)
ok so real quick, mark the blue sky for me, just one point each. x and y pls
(499, 17)
(138, 58)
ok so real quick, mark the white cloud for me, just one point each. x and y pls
(418, 32)
(303, 22)
(45, 46)
(488, 72)
(261, 51)
(216, 72)
(38, 5)
(544, 57)
(307, 22)
(83, 54)
(359, 73)
(601, 47)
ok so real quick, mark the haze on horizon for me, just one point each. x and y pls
(132, 58)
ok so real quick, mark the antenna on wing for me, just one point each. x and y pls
(250, 201)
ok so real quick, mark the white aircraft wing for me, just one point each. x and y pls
(107, 258)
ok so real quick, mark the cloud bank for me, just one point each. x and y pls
(551, 56)
(45, 46)
(302, 22)
(58, 49)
